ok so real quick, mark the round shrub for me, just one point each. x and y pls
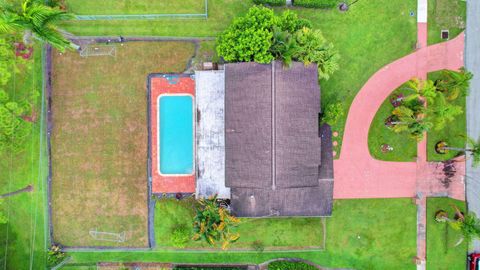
(180, 235)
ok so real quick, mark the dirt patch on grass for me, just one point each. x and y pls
(99, 140)
(446, 14)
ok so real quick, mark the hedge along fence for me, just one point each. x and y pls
(324, 4)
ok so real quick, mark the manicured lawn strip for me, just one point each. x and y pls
(445, 15)
(220, 14)
(362, 234)
(123, 7)
(99, 140)
(404, 147)
(441, 239)
(370, 35)
(26, 230)
(271, 232)
(453, 133)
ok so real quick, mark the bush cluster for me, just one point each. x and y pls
(316, 3)
(181, 234)
(287, 265)
(261, 36)
(270, 2)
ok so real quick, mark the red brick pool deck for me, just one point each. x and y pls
(167, 84)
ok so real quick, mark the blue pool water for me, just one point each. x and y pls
(176, 134)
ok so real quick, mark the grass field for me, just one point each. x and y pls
(404, 147)
(271, 232)
(445, 15)
(362, 234)
(441, 239)
(23, 238)
(453, 133)
(99, 140)
(123, 7)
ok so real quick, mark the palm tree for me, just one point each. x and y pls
(284, 46)
(444, 112)
(407, 120)
(454, 84)
(34, 19)
(468, 225)
(421, 89)
(472, 147)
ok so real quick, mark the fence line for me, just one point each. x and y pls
(143, 16)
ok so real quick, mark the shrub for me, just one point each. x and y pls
(214, 223)
(316, 3)
(13, 128)
(258, 245)
(332, 113)
(314, 48)
(290, 22)
(180, 235)
(287, 265)
(248, 38)
(55, 255)
(270, 2)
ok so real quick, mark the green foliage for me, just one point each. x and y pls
(3, 218)
(258, 245)
(332, 113)
(7, 61)
(316, 3)
(411, 121)
(55, 255)
(208, 268)
(421, 89)
(444, 112)
(248, 38)
(181, 234)
(474, 149)
(468, 225)
(287, 265)
(313, 48)
(35, 17)
(13, 128)
(454, 84)
(261, 36)
(213, 223)
(270, 2)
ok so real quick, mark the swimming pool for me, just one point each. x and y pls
(175, 129)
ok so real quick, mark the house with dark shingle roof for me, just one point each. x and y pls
(278, 160)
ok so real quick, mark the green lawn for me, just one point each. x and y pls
(404, 147)
(271, 232)
(220, 14)
(441, 239)
(453, 133)
(110, 7)
(23, 239)
(445, 15)
(362, 234)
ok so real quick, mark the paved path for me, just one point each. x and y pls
(357, 174)
(472, 63)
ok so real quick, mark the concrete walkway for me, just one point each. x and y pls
(472, 63)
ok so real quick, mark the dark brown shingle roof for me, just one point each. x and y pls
(273, 149)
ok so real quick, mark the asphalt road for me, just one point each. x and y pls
(472, 63)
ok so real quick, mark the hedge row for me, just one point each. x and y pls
(316, 3)
(270, 2)
(286, 265)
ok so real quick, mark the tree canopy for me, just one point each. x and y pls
(13, 128)
(262, 36)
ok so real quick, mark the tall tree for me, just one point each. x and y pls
(35, 19)
(413, 122)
